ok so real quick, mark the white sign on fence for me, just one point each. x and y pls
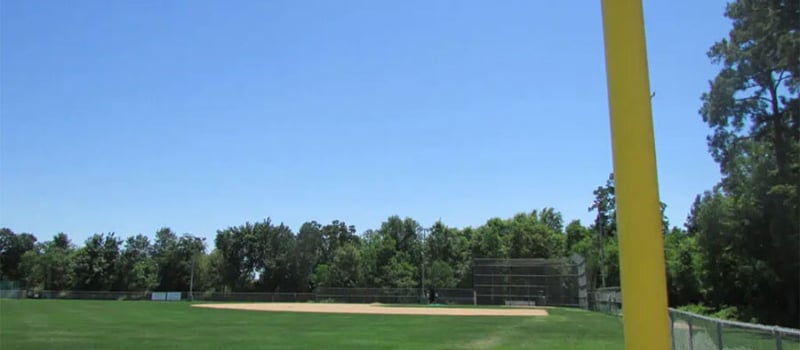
(174, 296)
(158, 296)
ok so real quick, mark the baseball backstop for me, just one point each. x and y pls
(533, 282)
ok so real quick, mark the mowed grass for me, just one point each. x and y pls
(66, 325)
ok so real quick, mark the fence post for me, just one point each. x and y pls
(672, 330)
(474, 297)
(778, 340)
(691, 341)
(719, 334)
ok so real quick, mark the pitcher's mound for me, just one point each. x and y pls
(374, 309)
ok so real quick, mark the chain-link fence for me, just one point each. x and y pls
(278, 297)
(608, 300)
(696, 332)
(333, 295)
(146, 295)
(87, 295)
(393, 295)
(10, 290)
(552, 282)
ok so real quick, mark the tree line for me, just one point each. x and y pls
(738, 253)
(269, 257)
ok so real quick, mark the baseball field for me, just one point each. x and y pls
(67, 325)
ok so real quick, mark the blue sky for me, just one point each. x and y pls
(126, 116)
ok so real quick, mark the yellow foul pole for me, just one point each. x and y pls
(644, 287)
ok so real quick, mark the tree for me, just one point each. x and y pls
(576, 232)
(273, 259)
(317, 244)
(258, 256)
(49, 265)
(605, 203)
(442, 275)
(97, 263)
(683, 262)
(532, 238)
(236, 246)
(753, 109)
(12, 248)
(552, 219)
(378, 250)
(175, 257)
(139, 271)
(334, 235)
(447, 246)
(491, 239)
(602, 249)
(208, 274)
(404, 232)
(309, 253)
(346, 267)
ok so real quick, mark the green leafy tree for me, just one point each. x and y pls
(309, 253)
(552, 219)
(237, 248)
(139, 271)
(753, 109)
(447, 246)
(346, 267)
(378, 251)
(683, 267)
(49, 265)
(532, 238)
(12, 248)
(317, 244)
(442, 275)
(576, 232)
(491, 239)
(175, 257)
(273, 256)
(97, 263)
(208, 277)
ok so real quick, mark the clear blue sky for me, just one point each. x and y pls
(126, 116)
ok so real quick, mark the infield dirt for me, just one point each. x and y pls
(374, 309)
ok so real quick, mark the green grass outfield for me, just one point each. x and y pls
(67, 325)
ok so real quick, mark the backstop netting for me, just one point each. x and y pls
(541, 282)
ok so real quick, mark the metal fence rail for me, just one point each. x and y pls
(696, 332)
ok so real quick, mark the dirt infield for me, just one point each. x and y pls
(374, 309)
